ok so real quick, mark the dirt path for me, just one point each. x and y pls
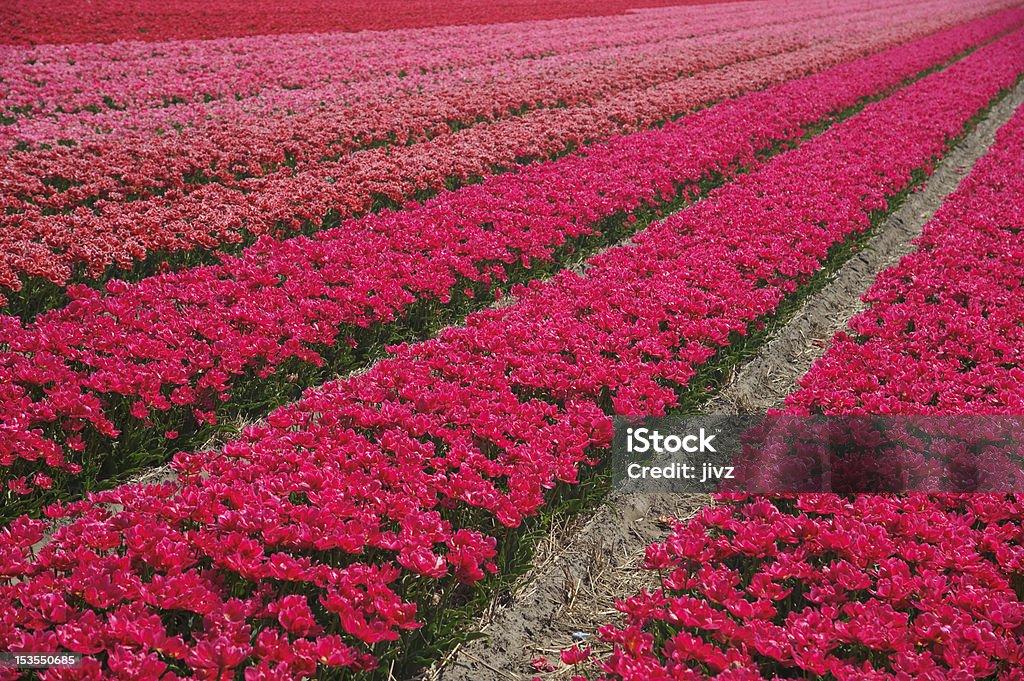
(587, 563)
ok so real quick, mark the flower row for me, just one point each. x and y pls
(57, 83)
(228, 142)
(944, 332)
(380, 97)
(47, 21)
(874, 587)
(332, 526)
(54, 247)
(83, 384)
(865, 587)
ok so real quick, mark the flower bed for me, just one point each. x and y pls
(84, 216)
(339, 523)
(46, 21)
(870, 587)
(943, 332)
(99, 383)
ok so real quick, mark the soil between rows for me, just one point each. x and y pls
(586, 563)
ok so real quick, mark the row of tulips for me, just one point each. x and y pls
(326, 121)
(944, 333)
(102, 21)
(56, 83)
(113, 232)
(98, 383)
(825, 586)
(321, 115)
(870, 587)
(326, 532)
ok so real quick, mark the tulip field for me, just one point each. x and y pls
(314, 315)
(924, 585)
